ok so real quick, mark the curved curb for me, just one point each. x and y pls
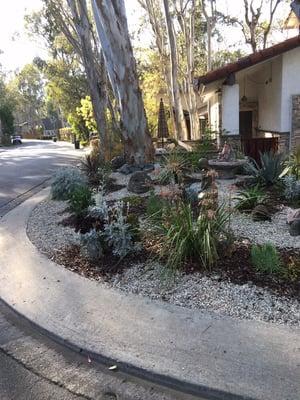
(139, 335)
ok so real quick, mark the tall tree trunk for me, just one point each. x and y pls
(96, 87)
(112, 29)
(178, 110)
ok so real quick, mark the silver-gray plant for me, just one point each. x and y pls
(91, 245)
(65, 181)
(117, 231)
(291, 187)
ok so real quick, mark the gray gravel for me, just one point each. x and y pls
(193, 291)
(44, 230)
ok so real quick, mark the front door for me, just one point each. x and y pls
(246, 124)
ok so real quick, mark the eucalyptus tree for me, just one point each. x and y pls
(112, 29)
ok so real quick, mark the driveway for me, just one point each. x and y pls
(25, 166)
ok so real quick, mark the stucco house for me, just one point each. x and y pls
(255, 101)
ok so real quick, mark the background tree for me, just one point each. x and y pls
(258, 21)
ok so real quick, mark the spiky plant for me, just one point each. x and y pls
(271, 170)
(249, 198)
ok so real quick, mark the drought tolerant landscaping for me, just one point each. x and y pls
(173, 231)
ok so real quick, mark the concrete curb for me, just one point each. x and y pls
(216, 358)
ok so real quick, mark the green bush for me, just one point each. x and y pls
(249, 198)
(133, 201)
(271, 170)
(154, 206)
(65, 181)
(80, 200)
(266, 259)
(183, 237)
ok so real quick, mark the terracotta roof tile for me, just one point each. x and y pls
(248, 61)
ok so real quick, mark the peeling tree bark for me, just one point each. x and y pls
(112, 29)
(97, 87)
(179, 115)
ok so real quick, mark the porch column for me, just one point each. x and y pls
(230, 109)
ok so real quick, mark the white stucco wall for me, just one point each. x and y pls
(269, 95)
(214, 113)
(230, 109)
(290, 85)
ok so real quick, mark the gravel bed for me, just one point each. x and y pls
(275, 231)
(208, 293)
(193, 291)
(43, 227)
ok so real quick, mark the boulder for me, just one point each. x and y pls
(292, 215)
(139, 182)
(192, 192)
(117, 162)
(127, 169)
(261, 213)
(294, 228)
(203, 163)
(148, 167)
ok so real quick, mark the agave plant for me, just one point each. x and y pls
(174, 166)
(272, 168)
(249, 198)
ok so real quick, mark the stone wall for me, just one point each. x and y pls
(295, 139)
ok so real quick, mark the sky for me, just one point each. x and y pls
(18, 49)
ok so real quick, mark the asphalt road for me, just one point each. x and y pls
(33, 367)
(25, 166)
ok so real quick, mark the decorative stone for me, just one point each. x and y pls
(192, 192)
(293, 215)
(148, 167)
(261, 213)
(203, 163)
(118, 162)
(294, 228)
(139, 182)
(127, 169)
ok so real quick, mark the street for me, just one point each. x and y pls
(25, 166)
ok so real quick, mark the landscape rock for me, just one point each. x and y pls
(139, 182)
(127, 169)
(293, 215)
(193, 191)
(261, 213)
(295, 228)
(203, 163)
(117, 162)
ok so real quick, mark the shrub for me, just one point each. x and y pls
(96, 170)
(91, 245)
(266, 259)
(117, 231)
(65, 182)
(271, 170)
(291, 187)
(249, 198)
(80, 200)
(183, 237)
(133, 201)
(293, 163)
(154, 206)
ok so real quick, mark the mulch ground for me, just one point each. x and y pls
(233, 265)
